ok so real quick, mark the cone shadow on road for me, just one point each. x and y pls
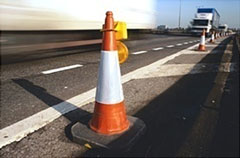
(50, 100)
(171, 115)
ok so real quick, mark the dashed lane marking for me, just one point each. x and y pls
(170, 46)
(159, 48)
(185, 43)
(179, 44)
(140, 52)
(61, 69)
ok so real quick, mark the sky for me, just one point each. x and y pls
(168, 10)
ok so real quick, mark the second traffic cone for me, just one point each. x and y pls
(109, 113)
(202, 42)
(212, 38)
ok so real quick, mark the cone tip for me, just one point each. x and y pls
(109, 13)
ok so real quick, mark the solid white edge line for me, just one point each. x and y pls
(21, 129)
(159, 48)
(61, 69)
(184, 69)
(139, 52)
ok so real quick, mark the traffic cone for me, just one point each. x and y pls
(212, 38)
(109, 127)
(109, 114)
(202, 42)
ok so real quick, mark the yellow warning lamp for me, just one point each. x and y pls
(122, 52)
(121, 34)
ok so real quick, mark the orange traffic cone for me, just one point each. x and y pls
(202, 42)
(109, 126)
(212, 37)
(109, 114)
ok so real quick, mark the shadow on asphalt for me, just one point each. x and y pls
(170, 116)
(226, 140)
(50, 100)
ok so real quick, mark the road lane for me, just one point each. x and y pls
(144, 56)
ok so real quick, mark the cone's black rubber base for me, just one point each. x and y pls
(82, 134)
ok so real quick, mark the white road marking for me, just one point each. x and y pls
(179, 44)
(61, 69)
(170, 46)
(159, 48)
(190, 41)
(19, 130)
(214, 45)
(208, 52)
(140, 52)
(184, 69)
(185, 43)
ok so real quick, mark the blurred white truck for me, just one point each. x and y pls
(205, 18)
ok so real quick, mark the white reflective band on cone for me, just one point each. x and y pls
(202, 42)
(109, 87)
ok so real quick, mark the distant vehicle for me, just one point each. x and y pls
(223, 28)
(205, 18)
(162, 27)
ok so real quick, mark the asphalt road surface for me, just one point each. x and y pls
(172, 97)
